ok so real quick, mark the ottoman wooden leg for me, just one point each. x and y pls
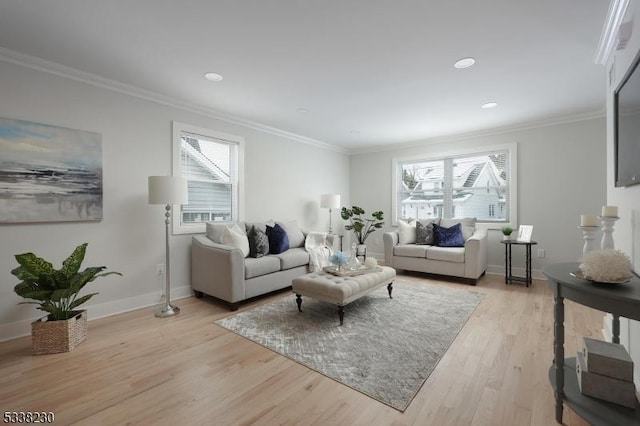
(390, 289)
(341, 313)
(299, 302)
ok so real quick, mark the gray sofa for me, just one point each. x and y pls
(468, 262)
(224, 271)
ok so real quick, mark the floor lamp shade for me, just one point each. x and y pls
(330, 201)
(167, 190)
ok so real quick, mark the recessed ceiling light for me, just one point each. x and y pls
(355, 132)
(303, 110)
(489, 105)
(464, 62)
(212, 76)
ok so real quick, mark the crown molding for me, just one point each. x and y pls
(609, 38)
(42, 65)
(482, 133)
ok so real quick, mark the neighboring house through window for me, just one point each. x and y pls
(464, 184)
(212, 164)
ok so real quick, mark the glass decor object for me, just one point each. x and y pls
(354, 263)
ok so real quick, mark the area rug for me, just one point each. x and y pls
(386, 349)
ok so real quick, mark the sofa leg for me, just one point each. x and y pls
(234, 306)
(341, 314)
(198, 294)
(390, 289)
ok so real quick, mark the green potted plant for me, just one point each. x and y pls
(506, 232)
(56, 291)
(361, 227)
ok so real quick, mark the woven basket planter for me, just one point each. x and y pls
(52, 337)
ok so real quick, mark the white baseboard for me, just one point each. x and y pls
(22, 328)
(536, 274)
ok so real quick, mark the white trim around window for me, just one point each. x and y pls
(237, 178)
(512, 148)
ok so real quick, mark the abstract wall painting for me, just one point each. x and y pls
(49, 173)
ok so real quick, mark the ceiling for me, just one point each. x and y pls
(367, 72)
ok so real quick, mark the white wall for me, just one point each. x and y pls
(627, 228)
(284, 179)
(561, 175)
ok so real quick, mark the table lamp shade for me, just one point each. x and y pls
(167, 190)
(330, 201)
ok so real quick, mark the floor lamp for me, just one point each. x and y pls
(167, 190)
(330, 201)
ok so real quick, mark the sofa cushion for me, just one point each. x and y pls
(262, 266)
(447, 254)
(292, 258)
(235, 237)
(295, 235)
(448, 237)
(410, 250)
(258, 242)
(424, 231)
(468, 225)
(406, 231)
(278, 240)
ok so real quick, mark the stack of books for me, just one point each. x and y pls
(605, 371)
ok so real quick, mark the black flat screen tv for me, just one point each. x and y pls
(627, 128)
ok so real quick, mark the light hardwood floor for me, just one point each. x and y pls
(138, 369)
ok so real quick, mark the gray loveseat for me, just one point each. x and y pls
(468, 262)
(221, 267)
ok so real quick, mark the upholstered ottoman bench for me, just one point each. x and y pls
(341, 290)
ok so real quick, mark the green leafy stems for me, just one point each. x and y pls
(361, 227)
(56, 290)
(507, 230)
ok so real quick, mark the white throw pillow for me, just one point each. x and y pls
(406, 231)
(234, 237)
(216, 229)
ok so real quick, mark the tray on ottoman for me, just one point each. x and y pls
(333, 270)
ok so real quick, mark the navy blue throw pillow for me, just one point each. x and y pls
(448, 237)
(278, 240)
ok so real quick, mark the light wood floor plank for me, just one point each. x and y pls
(138, 369)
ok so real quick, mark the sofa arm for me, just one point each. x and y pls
(217, 270)
(475, 254)
(390, 240)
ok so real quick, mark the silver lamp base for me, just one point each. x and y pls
(168, 311)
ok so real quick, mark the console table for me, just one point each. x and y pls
(617, 299)
(508, 276)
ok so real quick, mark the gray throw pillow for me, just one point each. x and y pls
(258, 242)
(424, 232)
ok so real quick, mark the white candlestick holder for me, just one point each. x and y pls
(588, 234)
(607, 232)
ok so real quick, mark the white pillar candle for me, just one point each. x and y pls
(609, 211)
(588, 220)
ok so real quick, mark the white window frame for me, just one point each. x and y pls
(237, 202)
(512, 148)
